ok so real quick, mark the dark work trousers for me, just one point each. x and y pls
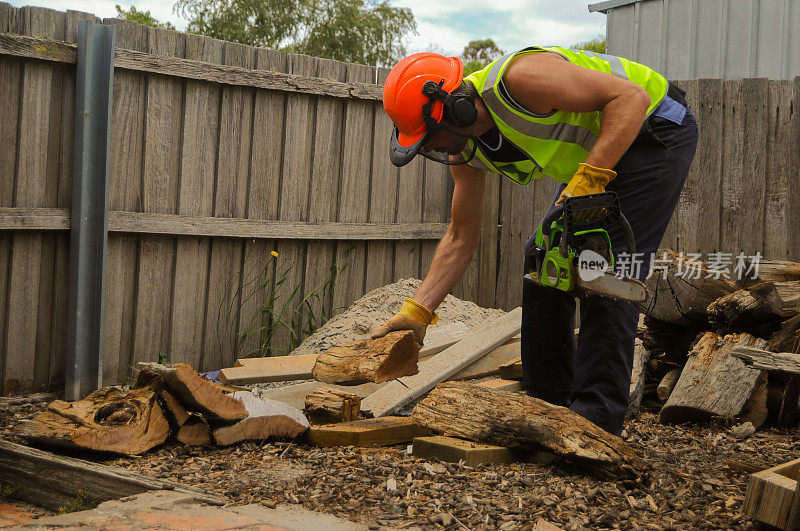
(593, 377)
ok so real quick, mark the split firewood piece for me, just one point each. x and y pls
(682, 294)
(328, 404)
(770, 271)
(759, 358)
(638, 375)
(755, 409)
(369, 360)
(787, 338)
(265, 419)
(175, 408)
(195, 431)
(110, 419)
(514, 420)
(760, 308)
(195, 393)
(713, 383)
(667, 384)
(511, 370)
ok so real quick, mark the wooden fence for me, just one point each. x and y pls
(222, 153)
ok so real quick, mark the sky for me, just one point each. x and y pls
(443, 26)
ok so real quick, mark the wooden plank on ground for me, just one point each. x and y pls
(772, 496)
(69, 479)
(195, 197)
(491, 363)
(440, 367)
(295, 394)
(512, 370)
(453, 450)
(384, 431)
(124, 193)
(272, 369)
(501, 384)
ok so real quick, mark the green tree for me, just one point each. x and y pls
(597, 45)
(142, 17)
(357, 31)
(479, 53)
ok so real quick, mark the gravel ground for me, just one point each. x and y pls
(699, 479)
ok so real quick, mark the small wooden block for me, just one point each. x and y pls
(772, 496)
(512, 370)
(383, 431)
(502, 384)
(452, 450)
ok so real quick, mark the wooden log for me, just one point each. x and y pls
(788, 414)
(759, 358)
(266, 419)
(667, 384)
(384, 431)
(195, 393)
(771, 271)
(787, 338)
(369, 360)
(174, 408)
(759, 309)
(514, 420)
(328, 404)
(437, 369)
(22, 470)
(713, 383)
(110, 419)
(772, 496)
(676, 296)
(673, 340)
(195, 431)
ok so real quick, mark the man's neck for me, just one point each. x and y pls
(484, 121)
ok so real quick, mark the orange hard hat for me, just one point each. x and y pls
(404, 99)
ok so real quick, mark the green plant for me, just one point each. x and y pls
(280, 305)
(163, 359)
(597, 45)
(142, 17)
(80, 502)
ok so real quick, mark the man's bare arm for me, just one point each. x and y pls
(545, 81)
(455, 250)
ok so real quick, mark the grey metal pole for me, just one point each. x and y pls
(89, 226)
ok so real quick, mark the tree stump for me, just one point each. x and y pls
(677, 297)
(328, 404)
(713, 383)
(109, 420)
(369, 360)
(514, 420)
(265, 419)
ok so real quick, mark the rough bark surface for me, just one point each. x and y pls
(328, 404)
(265, 419)
(713, 383)
(676, 296)
(514, 420)
(758, 309)
(110, 419)
(195, 393)
(772, 271)
(787, 338)
(369, 360)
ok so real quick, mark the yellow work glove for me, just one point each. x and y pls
(412, 316)
(587, 180)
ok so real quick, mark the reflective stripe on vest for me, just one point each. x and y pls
(559, 141)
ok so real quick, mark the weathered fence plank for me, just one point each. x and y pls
(124, 193)
(200, 136)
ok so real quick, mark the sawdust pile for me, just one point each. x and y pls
(374, 308)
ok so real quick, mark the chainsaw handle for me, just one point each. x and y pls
(551, 216)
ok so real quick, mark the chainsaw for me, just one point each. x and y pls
(573, 250)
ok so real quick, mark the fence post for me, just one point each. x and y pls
(89, 226)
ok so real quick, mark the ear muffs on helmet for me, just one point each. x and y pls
(458, 108)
